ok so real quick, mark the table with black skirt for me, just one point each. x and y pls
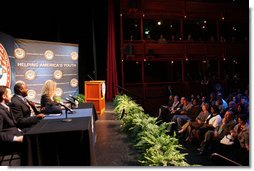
(53, 142)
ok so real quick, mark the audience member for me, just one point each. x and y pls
(211, 122)
(197, 123)
(183, 117)
(162, 39)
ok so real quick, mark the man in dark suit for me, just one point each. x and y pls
(24, 110)
(8, 130)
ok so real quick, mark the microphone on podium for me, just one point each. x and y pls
(90, 77)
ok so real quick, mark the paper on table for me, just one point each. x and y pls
(57, 114)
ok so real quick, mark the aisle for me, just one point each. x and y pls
(112, 148)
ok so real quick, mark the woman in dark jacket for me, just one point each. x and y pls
(48, 105)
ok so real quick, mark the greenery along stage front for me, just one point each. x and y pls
(155, 146)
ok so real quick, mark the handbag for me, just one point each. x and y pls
(227, 140)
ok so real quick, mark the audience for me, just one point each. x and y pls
(212, 131)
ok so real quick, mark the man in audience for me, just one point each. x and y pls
(184, 114)
(164, 110)
(24, 110)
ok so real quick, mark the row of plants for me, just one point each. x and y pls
(156, 147)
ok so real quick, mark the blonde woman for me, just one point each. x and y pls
(48, 105)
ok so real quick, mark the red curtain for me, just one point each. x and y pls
(112, 81)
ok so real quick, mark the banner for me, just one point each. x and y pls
(7, 61)
(39, 61)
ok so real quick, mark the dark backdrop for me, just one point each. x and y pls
(67, 22)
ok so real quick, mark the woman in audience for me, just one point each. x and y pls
(48, 105)
(197, 123)
(211, 122)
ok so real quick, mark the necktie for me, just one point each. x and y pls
(30, 107)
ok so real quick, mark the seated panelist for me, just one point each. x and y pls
(24, 111)
(8, 130)
(48, 102)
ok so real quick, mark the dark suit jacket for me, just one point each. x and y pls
(21, 111)
(49, 106)
(8, 127)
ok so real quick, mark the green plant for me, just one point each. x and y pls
(80, 98)
(156, 147)
(57, 99)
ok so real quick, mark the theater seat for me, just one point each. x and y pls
(9, 152)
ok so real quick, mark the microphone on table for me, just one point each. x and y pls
(66, 111)
(70, 101)
(74, 98)
(66, 107)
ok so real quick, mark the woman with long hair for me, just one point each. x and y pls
(48, 105)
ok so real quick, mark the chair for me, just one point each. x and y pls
(9, 152)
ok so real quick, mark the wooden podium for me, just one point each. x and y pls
(95, 93)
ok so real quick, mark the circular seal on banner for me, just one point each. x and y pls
(58, 74)
(59, 92)
(30, 75)
(5, 67)
(49, 55)
(74, 82)
(74, 56)
(31, 94)
(19, 53)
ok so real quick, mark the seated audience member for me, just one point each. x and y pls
(183, 117)
(177, 107)
(224, 103)
(236, 145)
(232, 107)
(48, 105)
(24, 111)
(241, 109)
(219, 105)
(203, 100)
(195, 109)
(227, 124)
(162, 39)
(197, 123)
(212, 99)
(211, 122)
(8, 130)
(165, 110)
(240, 133)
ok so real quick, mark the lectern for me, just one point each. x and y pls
(95, 93)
